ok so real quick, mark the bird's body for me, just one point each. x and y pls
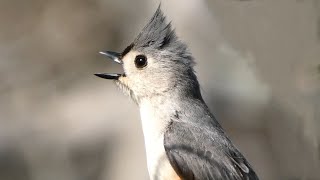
(187, 137)
(183, 139)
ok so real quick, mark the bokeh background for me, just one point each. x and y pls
(258, 62)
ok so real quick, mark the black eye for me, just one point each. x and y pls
(141, 61)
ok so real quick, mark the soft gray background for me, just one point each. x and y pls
(258, 62)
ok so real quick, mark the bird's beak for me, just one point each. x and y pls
(116, 57)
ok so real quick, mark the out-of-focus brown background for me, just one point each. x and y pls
(258, 62)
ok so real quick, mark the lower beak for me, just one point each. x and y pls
(108, 75)
(116, 57)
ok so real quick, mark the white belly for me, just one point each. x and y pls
(158, 164)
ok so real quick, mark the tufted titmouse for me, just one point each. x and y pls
(183, 139)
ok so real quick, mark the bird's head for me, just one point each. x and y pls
(156, 63)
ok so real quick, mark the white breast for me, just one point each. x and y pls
(154, 123)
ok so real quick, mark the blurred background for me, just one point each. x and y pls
(258, 62)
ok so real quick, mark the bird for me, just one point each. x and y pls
(183, 139)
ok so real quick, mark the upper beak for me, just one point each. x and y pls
(116, 57)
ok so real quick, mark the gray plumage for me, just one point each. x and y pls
(198, 148)
(180, 132)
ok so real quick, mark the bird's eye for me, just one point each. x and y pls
(141, 61)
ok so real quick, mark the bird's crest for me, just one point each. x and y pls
(157, 34)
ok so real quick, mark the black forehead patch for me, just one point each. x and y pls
(127, 49)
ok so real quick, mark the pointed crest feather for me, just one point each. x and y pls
(157, 33)
(158, 37)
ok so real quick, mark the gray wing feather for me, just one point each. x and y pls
(204, 154)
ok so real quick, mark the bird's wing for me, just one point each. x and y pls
(198, 153)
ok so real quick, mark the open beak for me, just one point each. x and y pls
(116, 57)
